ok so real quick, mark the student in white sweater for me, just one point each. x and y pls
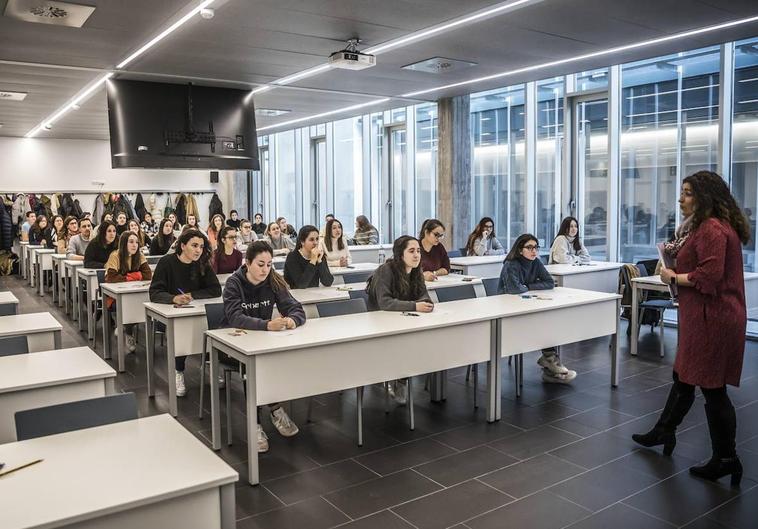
(482, 241)
(334, 244)
(567, 248)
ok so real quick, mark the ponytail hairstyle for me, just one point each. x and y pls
(274, 279)
(564, 230)
(428, 226)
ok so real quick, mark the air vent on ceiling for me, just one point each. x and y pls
(49, 12)
(12, 96)
(271, 112)
(438, 65)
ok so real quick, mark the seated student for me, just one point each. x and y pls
(483, 241)
(365, 232)
(57, 232)
(246, 236)
(281, 243)
(181, 277)
(100, 248)
(323, 231)
(306, 266)
(398, 285)
(249, 298)
(434, 259)
(162, 242)
(192, 222)
(148, 225)
(103, 218)
(226, 259)
(567, 248)
(334, 245)
(77, 245)
(40, 233)
(71, 229)
(214, 228)
(259, 227)
(233, 220)
(523, 271)
(127, 264)
(134, 227)
(121, 225)
(31, 218)
(175, 224)
(287, 229)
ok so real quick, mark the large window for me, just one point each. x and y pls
(549, 148)
(426, 163)
(499, 161)
(286, 177)
(348, 170)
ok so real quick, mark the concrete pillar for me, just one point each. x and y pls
(454, 169)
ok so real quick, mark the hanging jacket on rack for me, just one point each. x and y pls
(169, 208)
(139, 207)
(43, 206)
(20, 207)
(215, 207)
(128, 207)
(153, 207)
(98, 208)
(181, 209)
(191, 204)
(6, 226)
(55, 200)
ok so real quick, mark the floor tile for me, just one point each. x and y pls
(380, 520)
(319, 481)
(531, 475)
(534, 442)
(313, 514)
(543, 510)
(404, 455)
(620, 516)
(462, 466)
(595, 450)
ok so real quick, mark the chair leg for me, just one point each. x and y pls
(468, 372)
(663, 344)
(202, 376)
(228, 380)
(510, 360)
(310, 409)
(476, 385)
(386, 397)
(411, 416)
(359, 398)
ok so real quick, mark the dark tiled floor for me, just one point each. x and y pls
(561, 456)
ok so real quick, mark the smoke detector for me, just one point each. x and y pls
(438, 65)
(49, 12)
(12, 96)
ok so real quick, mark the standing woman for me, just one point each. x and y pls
(434, 259)
(226, 259)
(281, 243)
(71, 229)
(712, 320)
(567, 248)
(181, 277)
(99, 250)
(162, 242)
(483, 241)
(334, 245)
(39, 233)
(365, 232)
(259, 227)
(306, 266)
(215, 227)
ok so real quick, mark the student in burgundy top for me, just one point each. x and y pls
(226, 258)
(434, 259)
(712, 319)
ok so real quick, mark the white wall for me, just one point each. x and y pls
(36, 165)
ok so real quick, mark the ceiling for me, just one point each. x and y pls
(253, 42)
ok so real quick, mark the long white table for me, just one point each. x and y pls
(478, 265)
(7, 299)
(22, 258)
(356, 268)
(361, 349)
(42, 330)
(369, 253)
(27, 251)
(71, 298)
(42, 260)
(87, 277)
(34, 380)
(149, 472)
(597, 275)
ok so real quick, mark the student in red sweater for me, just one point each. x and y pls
(434, 259)
(226, 258)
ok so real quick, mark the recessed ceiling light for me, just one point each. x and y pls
(48, 126)
(12, 96)
(325, 114)
(271, 112)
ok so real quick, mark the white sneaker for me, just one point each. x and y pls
(131, 344)
(181, 389)
(552, 363)
(262, 440)
(398, 390)
(283, 423)
(558, 378)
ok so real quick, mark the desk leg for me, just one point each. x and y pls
(57, 339)
(79, 303)
(171, 367)
(228, 509)
(67, 294)
(252, 421)
(614, 351)
(437, 389)
(494, 388)
(215, 408)
(106, 332)
(32, 274)
(54, 286)
(110, 386)
(634, 322)
(150, 354)
(121, 342)
(91, 311)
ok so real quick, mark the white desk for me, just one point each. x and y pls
(480, 266)
(71, 298)
(58, 275)
(42, 330)
(87, 304)
(369, 253)
(367, 348)
(356, 268)
(7, 299)
(22, 257)
(42, 259)
(597, 275)
(34, 380)
(161, 477)
(27, 249)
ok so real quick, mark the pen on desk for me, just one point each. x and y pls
(20, 467)
(180, 291)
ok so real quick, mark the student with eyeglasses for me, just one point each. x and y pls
(226, 259)
(434, 259)
(246, 236)
(567, 248)
(523, 271)
(483, 241)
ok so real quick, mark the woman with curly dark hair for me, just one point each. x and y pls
(712, 319)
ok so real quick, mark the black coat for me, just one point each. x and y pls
(216, 207)
(139, 207)
(6, 228)
(181, 210)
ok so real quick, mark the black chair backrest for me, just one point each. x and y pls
(278, 265)
(100, 277)
(454, 293)
(214, 315)
(7, 309)
(340, 308)
(357, 277)
(14, 345)
(490, 285)
(463, 251)
(78, 415)
(454, 253)
(643, 270)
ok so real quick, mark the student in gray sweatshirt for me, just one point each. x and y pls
(567, 248)
(77, 244)
(523, 271)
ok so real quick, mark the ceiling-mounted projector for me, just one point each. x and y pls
(352, 59)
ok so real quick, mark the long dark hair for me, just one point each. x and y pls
(58, 233)
(519, 244)
(328, 235)
(713, 199)
(202, 264)
(364, 225)
(101, 235)
(477, 233)
(274, 279)
(219, 251)
(409, 286)
(127, 263)
(303, 234)
(564, 230)
(37, 229)
(428, 226)
(212, 225)
(140, 234)
(165, 241)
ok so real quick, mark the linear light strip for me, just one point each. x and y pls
(600, 53)
(325, 114)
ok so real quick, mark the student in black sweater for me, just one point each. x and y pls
(161, 243)
(250, 295)
(306, 266)
(181, 277)
(100, 249)
(523, 271)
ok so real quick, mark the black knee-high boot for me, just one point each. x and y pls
(722, 425)
(679, 402)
